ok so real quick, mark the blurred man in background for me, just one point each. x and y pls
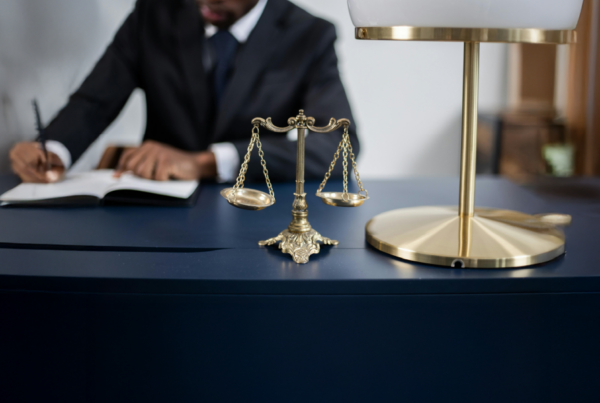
(207, 67)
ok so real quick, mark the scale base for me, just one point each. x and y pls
(299, 244)
(489, 239)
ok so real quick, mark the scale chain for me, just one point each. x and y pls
(345, 141)
(352, 157)
(239, 183)
(264, 165)
(345, 147)
(332, 165)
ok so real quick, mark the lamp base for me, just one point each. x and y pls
(489, 239)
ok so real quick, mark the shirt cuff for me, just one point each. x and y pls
(228, 161)
(61, 151)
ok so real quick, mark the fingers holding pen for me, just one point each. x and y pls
(27, 173)
(57, 169)
(28, 153)
(29, 162)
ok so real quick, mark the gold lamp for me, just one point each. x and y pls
(465, 235)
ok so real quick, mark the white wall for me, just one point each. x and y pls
(46, 50)
(406, 96)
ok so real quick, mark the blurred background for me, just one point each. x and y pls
(537, 102)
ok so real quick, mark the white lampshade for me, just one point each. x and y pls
(541, 14)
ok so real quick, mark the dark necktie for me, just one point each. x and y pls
(225, 47)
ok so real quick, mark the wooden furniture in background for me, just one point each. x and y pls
(511, 143)
(524, 135)
(533, 120)
(538, 74)
(583, 119)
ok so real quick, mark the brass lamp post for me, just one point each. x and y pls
(466, 236)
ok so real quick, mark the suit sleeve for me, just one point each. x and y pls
(103, 94)
(323, 98)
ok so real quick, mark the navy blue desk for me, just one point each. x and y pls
(180, 304)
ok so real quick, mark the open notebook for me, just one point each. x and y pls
(99, 187)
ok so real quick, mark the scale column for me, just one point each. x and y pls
(300, 161)
(466, 204)
(300, 222)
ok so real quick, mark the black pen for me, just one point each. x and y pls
(41, 133)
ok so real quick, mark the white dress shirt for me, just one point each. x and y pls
(227, 158)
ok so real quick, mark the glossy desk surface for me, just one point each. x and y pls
(212, 248)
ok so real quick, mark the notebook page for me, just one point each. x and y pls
(179, 189)
(92, 183)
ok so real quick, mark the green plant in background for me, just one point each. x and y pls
(559, 158)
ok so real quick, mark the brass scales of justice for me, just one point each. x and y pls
(299, 239)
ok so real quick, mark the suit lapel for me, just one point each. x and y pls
(191, 37)
(252, 60)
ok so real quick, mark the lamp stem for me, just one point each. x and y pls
(466, 203)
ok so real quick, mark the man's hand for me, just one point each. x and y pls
(157, 161)
(29, 162)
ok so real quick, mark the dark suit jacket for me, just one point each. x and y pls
(288, 63)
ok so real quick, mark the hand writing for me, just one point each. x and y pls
(29, 162)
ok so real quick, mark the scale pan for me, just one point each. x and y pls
(248, 199)
(336, 199)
